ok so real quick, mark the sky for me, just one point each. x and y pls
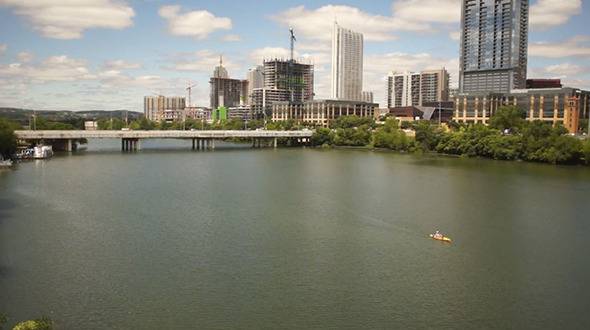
(109, 54)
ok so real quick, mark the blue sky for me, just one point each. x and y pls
(109, 54)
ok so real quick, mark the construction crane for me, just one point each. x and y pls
(189, 88)
(291, 64)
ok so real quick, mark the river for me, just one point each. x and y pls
(292, 238)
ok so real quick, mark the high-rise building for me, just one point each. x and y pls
(347, 64)
(255, 79)
(494, 39)
(162, 108)
(220, 72)
(226, 92)
(279, 87)
(414, 89)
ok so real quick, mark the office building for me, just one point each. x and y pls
(162, 108)
(553, 105)
(367, 97)
(347, 64)
(494, 39)
(405, 89)
(255, 79)
(321, 112)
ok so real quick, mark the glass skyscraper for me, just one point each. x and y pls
(494, 38)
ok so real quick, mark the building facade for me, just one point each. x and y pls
(228, 92)
(347, 64)
(321, 112)
(278, 87)
(406, 89)
(255, 79)
(494, 42)
(161, 108)
(554, 105)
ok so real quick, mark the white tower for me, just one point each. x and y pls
(347, 64)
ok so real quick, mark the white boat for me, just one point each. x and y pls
(5, 162)
(42, 152)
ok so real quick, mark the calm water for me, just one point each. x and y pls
(235, 238)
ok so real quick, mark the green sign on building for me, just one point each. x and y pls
(219, 114)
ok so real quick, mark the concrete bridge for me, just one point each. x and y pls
(131, 140)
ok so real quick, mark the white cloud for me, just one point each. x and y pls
(547, 14)
(455, 35)
(570, 47)
(52, 69)
(199, 24)
(114, 79)
(201, 61)
(25, 57)
(231, 38)
(565, 69)
(430, 11)
(317, 24)
(67, 19)
(120, 64)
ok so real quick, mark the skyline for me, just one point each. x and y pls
(107, 54)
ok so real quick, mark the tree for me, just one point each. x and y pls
(508, 117)
(321, 136)
(426, 135)
(40, 323)
(8, 140)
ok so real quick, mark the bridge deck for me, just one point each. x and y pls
(23, 134)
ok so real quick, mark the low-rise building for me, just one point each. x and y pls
(553, 105)
(321, 112)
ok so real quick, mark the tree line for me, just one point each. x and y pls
(509, 136)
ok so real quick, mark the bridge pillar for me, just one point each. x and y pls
(212, 143)
(275, 142)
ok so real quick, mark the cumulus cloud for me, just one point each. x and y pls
(565, 69)
(199, 24)
(231, 38)
(25, 57)
(120, 64)
(575, 46)
(547, 14)
(431, 11)
(201, 61)
(67, 19)
(114, 79)
(52, 69)
(317, 24)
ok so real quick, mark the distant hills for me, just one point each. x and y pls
(22, 116)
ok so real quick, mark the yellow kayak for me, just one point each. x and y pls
(440, 238)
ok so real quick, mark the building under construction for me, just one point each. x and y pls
(162, 108)
(230, 92)
(284, 81)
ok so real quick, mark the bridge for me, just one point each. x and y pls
(131, 140)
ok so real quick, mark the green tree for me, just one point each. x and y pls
(586, 151)
(427, 136)
(583, 126)
(508, 117)
(321, 136)
(41, 323)
(8, 140)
